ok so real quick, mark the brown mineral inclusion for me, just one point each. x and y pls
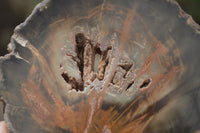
(103, 66)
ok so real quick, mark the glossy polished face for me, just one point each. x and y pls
(102, 66)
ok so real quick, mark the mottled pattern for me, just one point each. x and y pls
(146, 79)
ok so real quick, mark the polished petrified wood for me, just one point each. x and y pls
(103, 66)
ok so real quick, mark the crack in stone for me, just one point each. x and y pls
(145, 83)
(84, 56)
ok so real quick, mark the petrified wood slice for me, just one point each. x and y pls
(103, 66)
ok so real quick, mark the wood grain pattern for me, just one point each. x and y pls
(133, 68)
